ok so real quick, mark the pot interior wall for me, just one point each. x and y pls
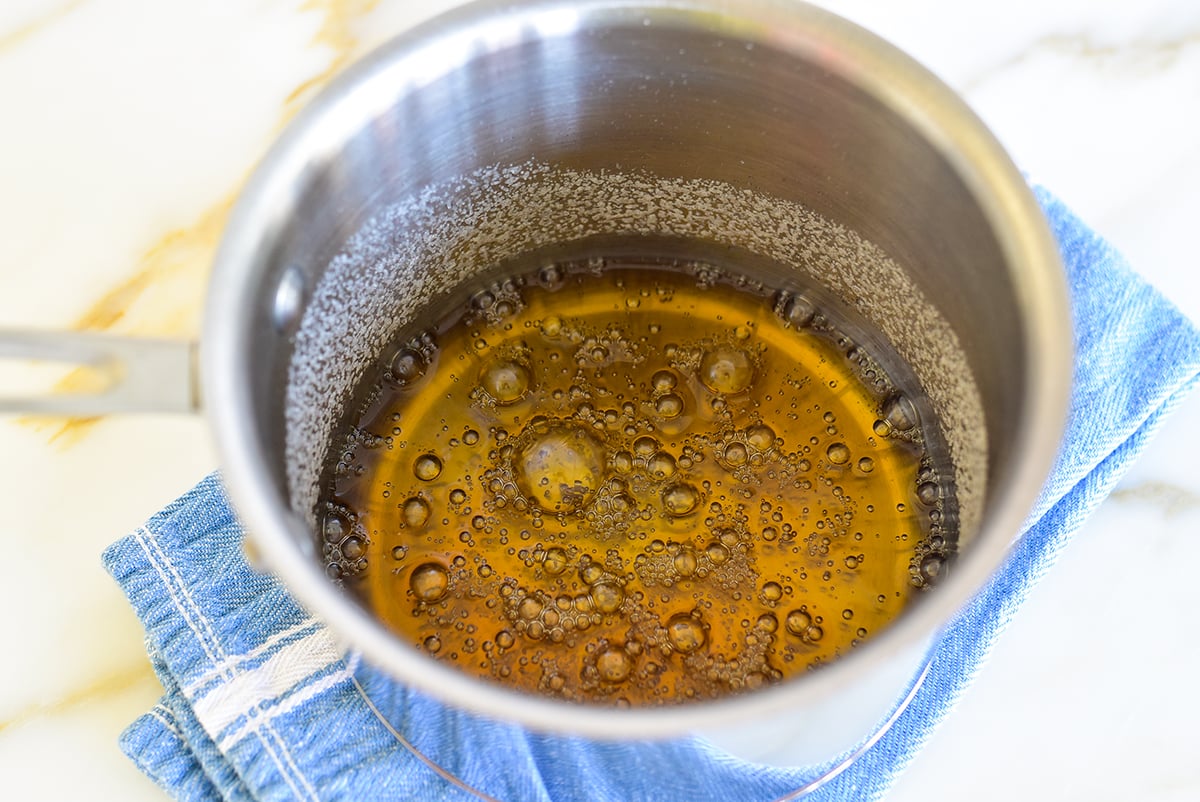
(521, 138)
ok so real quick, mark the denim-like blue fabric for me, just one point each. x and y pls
(260, 704)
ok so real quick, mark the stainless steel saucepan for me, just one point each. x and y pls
(502, 129)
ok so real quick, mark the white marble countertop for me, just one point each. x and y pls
(127, 128)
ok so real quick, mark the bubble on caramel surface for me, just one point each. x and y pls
(429, 582)
(505, 381)
(638, 484)
(427, 467)
(837, 453)
(680, 499)
(726, 370)
(685, 632)
(613, 664)
(415, 512)
(407, 366)
(559, 466)
(669, 405)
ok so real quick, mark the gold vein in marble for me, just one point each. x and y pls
(100, 688)
(159, 299)
(35, 26)
(336, 34)
(1154, 54)
(1173, 499)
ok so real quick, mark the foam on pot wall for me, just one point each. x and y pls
(423, 248)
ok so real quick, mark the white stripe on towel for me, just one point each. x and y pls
(229, 663)
(249, 726)
(248, 690)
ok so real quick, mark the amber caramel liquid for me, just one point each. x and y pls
(635, 485)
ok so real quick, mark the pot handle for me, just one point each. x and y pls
(134, 374)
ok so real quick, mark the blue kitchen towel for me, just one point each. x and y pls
(261, 703)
